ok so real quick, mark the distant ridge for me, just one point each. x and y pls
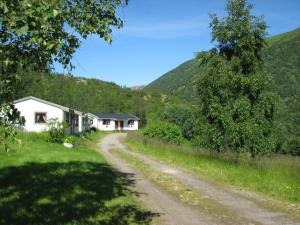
(138, 87)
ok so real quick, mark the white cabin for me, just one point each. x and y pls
(113, 122)
(38, 111)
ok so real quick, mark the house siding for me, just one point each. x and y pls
(28, 109)
(110, 127)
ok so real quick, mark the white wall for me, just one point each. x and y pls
(109, 127)
(28, 109)
(135, 126)
(95, 122)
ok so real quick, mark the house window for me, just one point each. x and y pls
(106, 122)
(40, 117)
(67, 117)
(130, 123)
(76, 120)
(91, 122)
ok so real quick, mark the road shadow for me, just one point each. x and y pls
(68, 193)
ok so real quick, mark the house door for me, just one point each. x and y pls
(119, 125)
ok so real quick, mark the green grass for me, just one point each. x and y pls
(45, 183)
(278, 176)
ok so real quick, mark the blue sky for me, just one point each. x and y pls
(158, 35)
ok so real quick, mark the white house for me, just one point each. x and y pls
(38, 111)
(114, 122)
(117, 122)
(92, 120)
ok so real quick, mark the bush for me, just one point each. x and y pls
(183, 117)
(56, 131)
(292, 146)
(164, 131)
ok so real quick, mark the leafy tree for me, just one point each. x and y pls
(34, 34)
(238, 112)
(183, 117)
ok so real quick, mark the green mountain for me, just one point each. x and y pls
(282, 61)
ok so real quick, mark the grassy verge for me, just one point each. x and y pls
(278, 176)
(45, 183)
(180, 190)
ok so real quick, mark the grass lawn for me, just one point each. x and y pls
(278, 176)
(45, 183)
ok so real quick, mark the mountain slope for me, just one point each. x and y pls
(282, 61)
(91, 95)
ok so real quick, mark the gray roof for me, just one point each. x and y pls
(46, 102)
(115, 116)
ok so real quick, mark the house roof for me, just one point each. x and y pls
(115, 116)
(46, 102)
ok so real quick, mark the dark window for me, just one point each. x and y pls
(91, 122)
(40, 117)
(106, 122)
(130, 123)
(67, 117)
(76, 120)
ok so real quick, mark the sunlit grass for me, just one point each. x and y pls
(276, 176)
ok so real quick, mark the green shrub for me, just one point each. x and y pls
(292, 146)
(164, 131)
(56, 131)
(183, 117)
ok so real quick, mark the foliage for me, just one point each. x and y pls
(183, 117)
(163, 131)
(9, 117)
(33, 29)
(237, 110)
(56, 131)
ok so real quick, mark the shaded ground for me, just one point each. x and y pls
(68, 193)
(226, 198)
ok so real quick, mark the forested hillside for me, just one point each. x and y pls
(282, 61)
(91, 95)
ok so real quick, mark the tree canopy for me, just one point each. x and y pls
(37, 33)
(238, 112)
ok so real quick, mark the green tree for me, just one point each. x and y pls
(238, 112)
(34, 34)
(183, 117)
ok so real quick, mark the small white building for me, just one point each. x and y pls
(92, 120)
(113, 122)
(38, 111)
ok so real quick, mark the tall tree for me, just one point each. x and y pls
(238, 112)
(34, 34)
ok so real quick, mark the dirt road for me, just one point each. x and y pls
(175, 212)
